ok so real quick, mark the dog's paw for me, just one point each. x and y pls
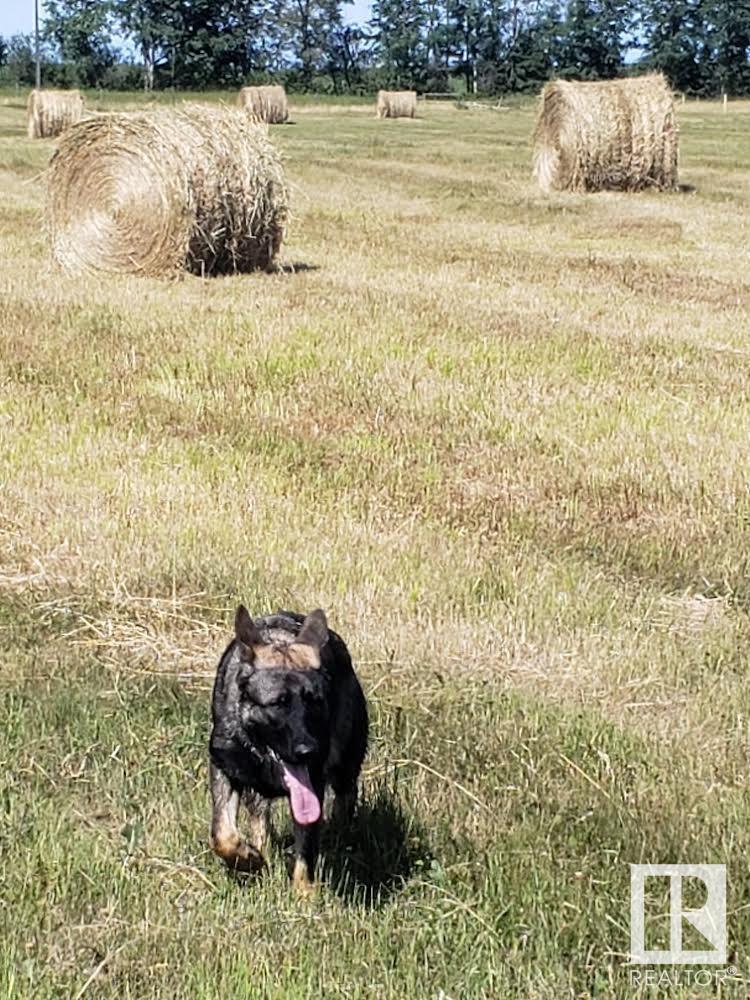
(238, 855)
(249, 859)
(302, 883)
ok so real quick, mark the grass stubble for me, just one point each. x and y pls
(503, 439)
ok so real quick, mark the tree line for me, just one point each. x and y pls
(473, 46)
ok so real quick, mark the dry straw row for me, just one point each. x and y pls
(396, 104)
(617, 135)
(264, 104)
(197, 188)
(50, 112)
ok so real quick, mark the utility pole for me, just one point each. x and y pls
(36, 43)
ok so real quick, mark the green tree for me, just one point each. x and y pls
(594, 37)
(400, 33)
(152, 27)
(312, 28)
(729, 43)
(675, 41)
(435, 23)
(217, 42)
(81, 30)
(348, 56)
(194, 43)
(531, 46)
(18, 65)
(465, 20)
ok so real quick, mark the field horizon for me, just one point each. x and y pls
(502, 438)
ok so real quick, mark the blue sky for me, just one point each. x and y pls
(17, 16)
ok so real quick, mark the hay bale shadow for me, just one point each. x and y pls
(370, 860)
(295, 267)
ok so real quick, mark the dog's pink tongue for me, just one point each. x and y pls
(305, 805)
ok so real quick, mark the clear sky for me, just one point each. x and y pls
(17, 16)
(358, 11)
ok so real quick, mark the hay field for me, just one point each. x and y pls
(503, 439)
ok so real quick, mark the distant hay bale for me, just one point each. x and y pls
(396, 104)
(197, 188)
(50, 112)
(620, 135)
(265, 104)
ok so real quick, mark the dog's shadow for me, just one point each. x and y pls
(372, 858)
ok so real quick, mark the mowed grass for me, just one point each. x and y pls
(503, 439)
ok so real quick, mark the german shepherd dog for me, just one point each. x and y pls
(289, 719)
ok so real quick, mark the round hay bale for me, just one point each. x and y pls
(396, 104)
(620, 135)
(50, 112)
(265, 104)
(197, 188)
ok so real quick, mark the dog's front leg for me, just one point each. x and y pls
(225, 837)
(306, 843)
(343, 807)
(258, 809)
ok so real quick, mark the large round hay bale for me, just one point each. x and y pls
(396, 104)
(50, 112)
(196, 188)
(618, 135)
(265, 104)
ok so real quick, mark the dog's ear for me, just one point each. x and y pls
(314, 631)
(246, 633)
